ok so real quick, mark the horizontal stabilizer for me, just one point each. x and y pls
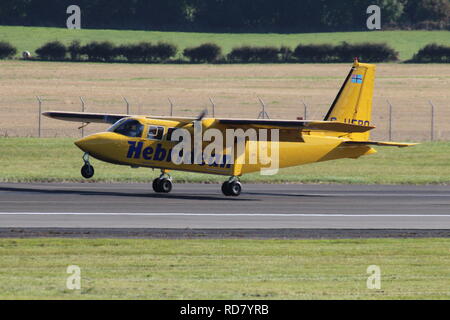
(381, 144)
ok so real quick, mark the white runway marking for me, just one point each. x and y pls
(270, 215)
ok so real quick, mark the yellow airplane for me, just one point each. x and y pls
(240, 146)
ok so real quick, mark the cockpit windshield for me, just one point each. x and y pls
(115, 125)
(128, 127)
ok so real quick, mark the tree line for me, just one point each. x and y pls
(229, 15)
(164, 52)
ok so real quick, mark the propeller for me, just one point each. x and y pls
(202, 115)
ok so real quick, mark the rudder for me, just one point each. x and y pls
(353, 103)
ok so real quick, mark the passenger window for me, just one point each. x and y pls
(169, 135)
(155, 133)
(130, 128)
(170, 131)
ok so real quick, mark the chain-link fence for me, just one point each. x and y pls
(395, 119)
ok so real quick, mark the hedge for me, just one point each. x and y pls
(207, 52)
(368, 52)
(433, 53)
(147, 52)
(345, 52)
(75, 50)
(315, 53)
(163, 51)
(7, 50)
(247, 54)
(140, 52)
(100, 51)
(54, 50)
(286, 54)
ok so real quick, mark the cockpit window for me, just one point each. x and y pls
(130, 128)
(155, 133)
(115, 125)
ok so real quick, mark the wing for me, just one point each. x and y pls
(103, 117)
(298, 125)
(85, 117)
(265, 124)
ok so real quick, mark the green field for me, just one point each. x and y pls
(48, 160)
(406, 42)
(225, 269)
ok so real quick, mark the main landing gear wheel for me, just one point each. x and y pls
(232, 188)
(87, 171)
(163, 184)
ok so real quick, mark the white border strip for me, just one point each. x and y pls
(250, 215)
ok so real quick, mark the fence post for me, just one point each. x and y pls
(263, 114)
(82, 110)
(213, 107)
(171, 107)
(432, 120)
(40, 116)
(128, 105)
(306, 110)
(390, 120)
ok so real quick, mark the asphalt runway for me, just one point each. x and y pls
(203, 207)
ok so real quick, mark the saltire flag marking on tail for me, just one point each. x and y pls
(357, 78)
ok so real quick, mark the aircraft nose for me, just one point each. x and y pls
(87, 144)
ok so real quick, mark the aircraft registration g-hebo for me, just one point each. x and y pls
(234, 147)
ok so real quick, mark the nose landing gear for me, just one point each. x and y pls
(232, 187)
(87, 171)
(163, 184)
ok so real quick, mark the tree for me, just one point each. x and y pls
(225, 15)
(392, 10)
(437, 11)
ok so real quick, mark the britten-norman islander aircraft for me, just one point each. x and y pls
(141, 141)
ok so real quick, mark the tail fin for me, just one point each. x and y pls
(353, 103)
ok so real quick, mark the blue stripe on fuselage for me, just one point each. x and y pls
(136, 150)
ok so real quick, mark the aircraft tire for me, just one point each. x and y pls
(235, 188)
(162, 185)
(165, 186)
(232, 189)
(226, 189)
(155, 185)
(87, 171)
